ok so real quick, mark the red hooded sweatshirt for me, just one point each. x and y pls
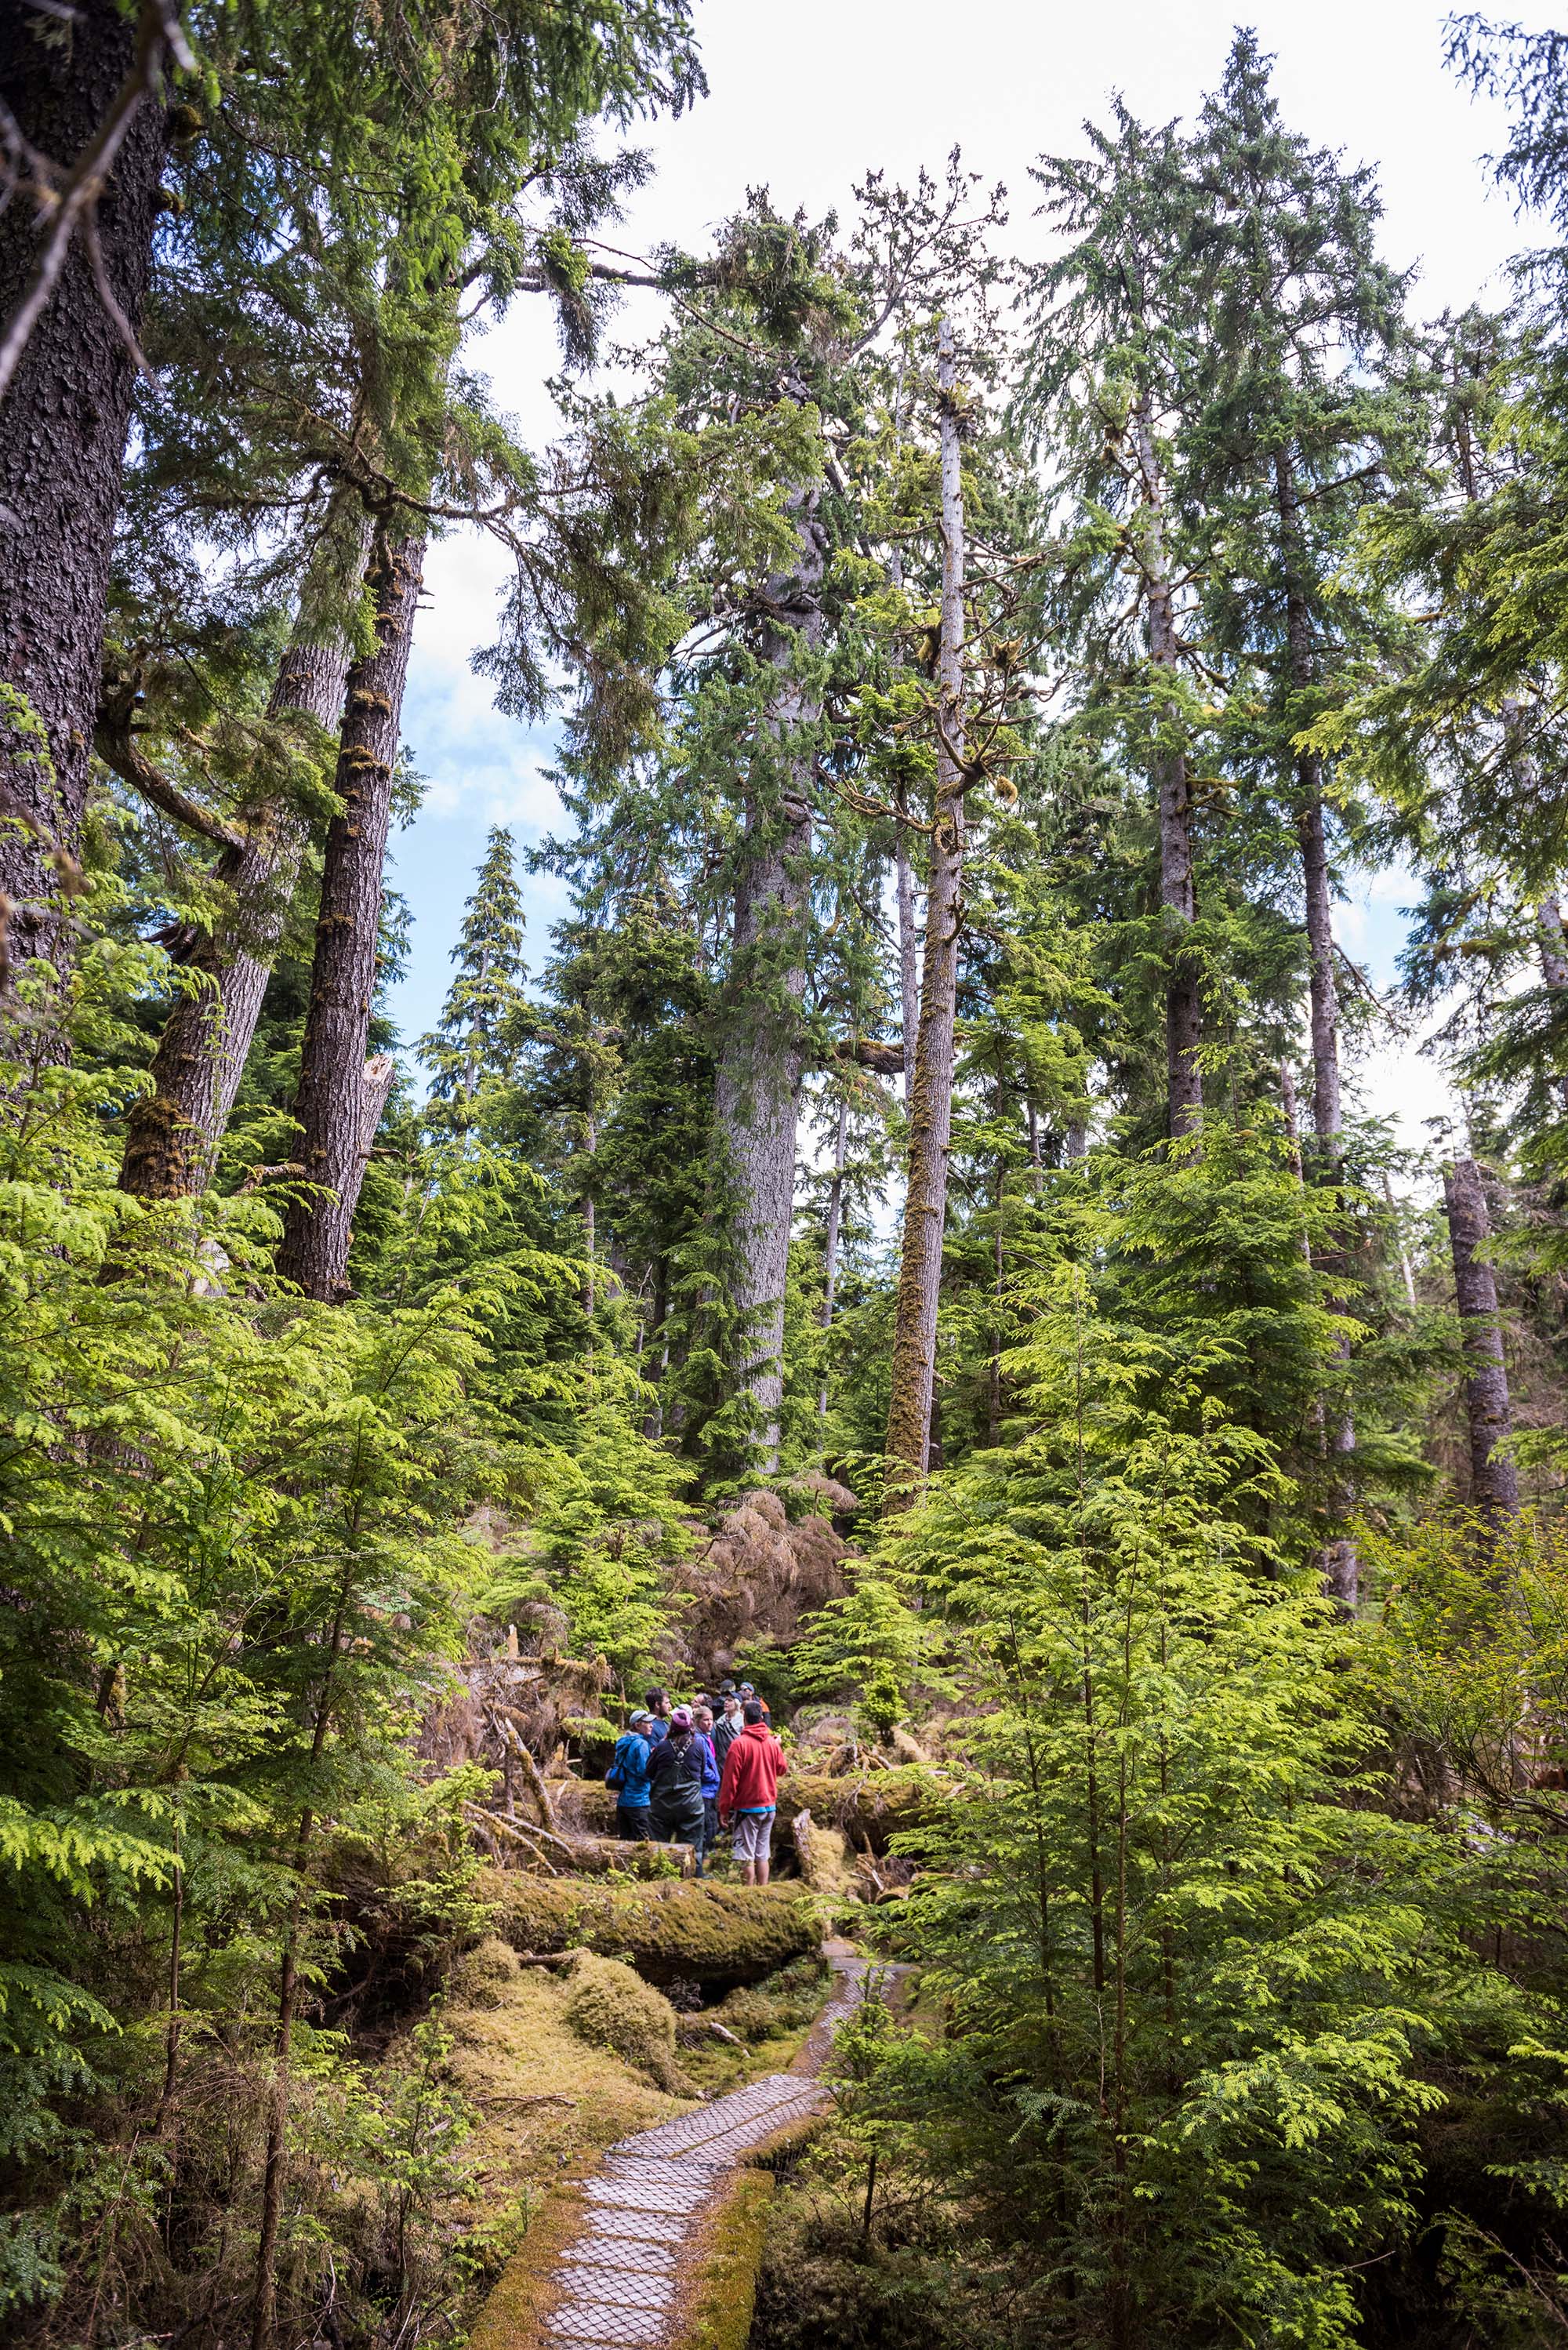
(752, 1768)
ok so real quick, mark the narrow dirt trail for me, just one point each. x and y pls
(618, 2282)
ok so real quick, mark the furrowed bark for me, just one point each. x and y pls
(174, 1133)
(1494, 1480)
(762, 1056)
(586, 1210)
(63, 423)
(993, 1377)
(930, 1111)
(341, 1096)
(904, 876)
(1326, 1116)
(1183, 1004)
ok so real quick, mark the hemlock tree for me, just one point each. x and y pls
(1296, 432)
(762, 1055)
(1494, 1480)
(304, 115)
(1107, 378)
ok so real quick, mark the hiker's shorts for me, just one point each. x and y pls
(754, 1835)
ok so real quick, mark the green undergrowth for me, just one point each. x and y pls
(560, 2062)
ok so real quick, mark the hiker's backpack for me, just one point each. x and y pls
(687, 1776)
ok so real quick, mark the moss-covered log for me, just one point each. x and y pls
(869, 1806)
(672, 1933)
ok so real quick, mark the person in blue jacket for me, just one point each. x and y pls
(711, 1768)
(627, 1774)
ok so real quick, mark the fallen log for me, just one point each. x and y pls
(690, 2026)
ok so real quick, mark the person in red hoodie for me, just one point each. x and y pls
(748, 1792)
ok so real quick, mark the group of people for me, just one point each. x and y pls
(685, 1774)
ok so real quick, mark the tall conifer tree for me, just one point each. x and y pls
(470, 1040)
(1296, 431)
(1106, 382)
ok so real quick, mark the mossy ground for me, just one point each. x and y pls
(771, 2020)
(610, 2006)
(721, 2289)
(546, 2093)
(562, 2062)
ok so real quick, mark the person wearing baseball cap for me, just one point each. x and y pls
(749, 1697)
(627, 1774)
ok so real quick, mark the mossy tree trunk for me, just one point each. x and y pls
(930, 1112)
(1494, 1480)
(342, 1095)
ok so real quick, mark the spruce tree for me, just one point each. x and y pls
(474, 1038)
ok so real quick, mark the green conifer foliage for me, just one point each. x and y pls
(472, 1038)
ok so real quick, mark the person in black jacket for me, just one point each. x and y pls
(730, 1724)
(675, 1779)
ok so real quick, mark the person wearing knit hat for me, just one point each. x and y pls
(675, 1781)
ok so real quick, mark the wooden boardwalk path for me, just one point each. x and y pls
(618, 2281)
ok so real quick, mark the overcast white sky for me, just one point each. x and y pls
(803, 100)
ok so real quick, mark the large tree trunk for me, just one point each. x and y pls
(1183, 1004)
(341, 1096)
(1554, 945)
(993, 1378)
(930, 1113)
(830, 1243)
(1341, 1563)
(908, 961)
(1326, 1114)
(1302, 671)
(62, 441)
(762, 1056)
(174, 1133)
(1494, 1481)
